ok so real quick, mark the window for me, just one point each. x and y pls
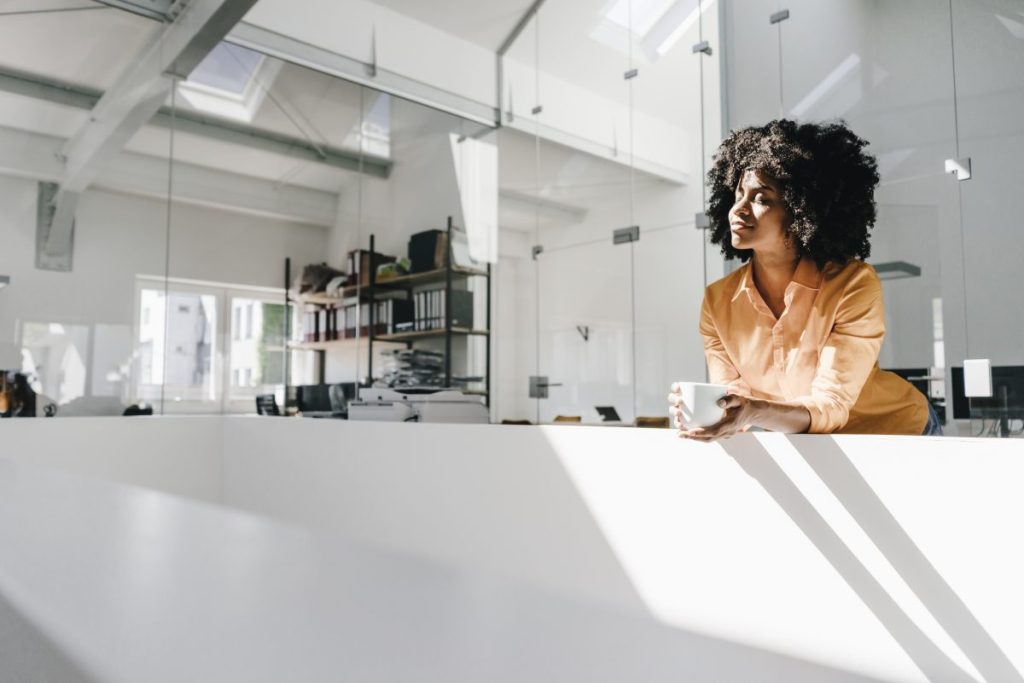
(196, 360)
(258, 350)
(177, 344)
(55, 357)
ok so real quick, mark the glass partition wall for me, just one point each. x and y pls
(609, 96)
(169, 289)
(83, 246)
(328, 172)
(169, 293)
(633, 97)
(935, 87)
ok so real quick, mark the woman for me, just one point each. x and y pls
(795, 332)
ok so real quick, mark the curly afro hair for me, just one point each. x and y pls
(827, 182)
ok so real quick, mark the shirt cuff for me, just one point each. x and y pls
(823, 417)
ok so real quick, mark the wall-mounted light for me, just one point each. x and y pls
(894, 270)
(4, 281)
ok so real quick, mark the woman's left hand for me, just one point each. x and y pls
(740, 415)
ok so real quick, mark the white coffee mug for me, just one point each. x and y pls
(699, 403)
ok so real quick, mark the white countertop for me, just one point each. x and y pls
(132, 585)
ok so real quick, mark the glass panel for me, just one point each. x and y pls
(713, 110)
(570, 60)
(256, 351)
(753, 83)
(989, 56)
(583, 195)
(297, 164)
(989, 43)
(177, 345)
(520, 216)
(68, 312)
(885, 69)
(669, 119)
(586, 330)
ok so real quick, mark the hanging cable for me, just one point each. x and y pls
(959, 189)
(167, 244)
(782, 110)
(359, 257)
(537, 192)
(703, 153)
(632, 208)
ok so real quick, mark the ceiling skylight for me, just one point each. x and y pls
(372, 135)
(228, 67)
(673, 25)
(656, 27)
(645, 13)
(231, 82)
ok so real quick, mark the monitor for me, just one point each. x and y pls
(1007, 398)
(324, 399)
(914, 375)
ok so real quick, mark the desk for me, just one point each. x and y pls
(892, 558)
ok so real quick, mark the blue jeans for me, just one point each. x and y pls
(934, 427)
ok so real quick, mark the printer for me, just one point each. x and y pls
(418, 405)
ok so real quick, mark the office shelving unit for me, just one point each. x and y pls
(371, 293)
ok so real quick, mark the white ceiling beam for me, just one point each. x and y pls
(139, 93)
(33, 156)
(136, 97)
(154, 9)
(196, 123)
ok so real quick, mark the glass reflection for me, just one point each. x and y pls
(69, 331)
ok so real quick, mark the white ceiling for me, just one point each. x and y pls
(484, 22)
(90, 48)
(86, 47)
(577, 44)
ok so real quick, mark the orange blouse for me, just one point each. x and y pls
(821, 353)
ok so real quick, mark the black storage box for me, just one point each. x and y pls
(428, 251)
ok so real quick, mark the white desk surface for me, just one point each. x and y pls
(133, 585)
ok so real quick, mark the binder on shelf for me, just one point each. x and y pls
(403, 316)
(462, 308)
(397, 316)
(429, 310)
